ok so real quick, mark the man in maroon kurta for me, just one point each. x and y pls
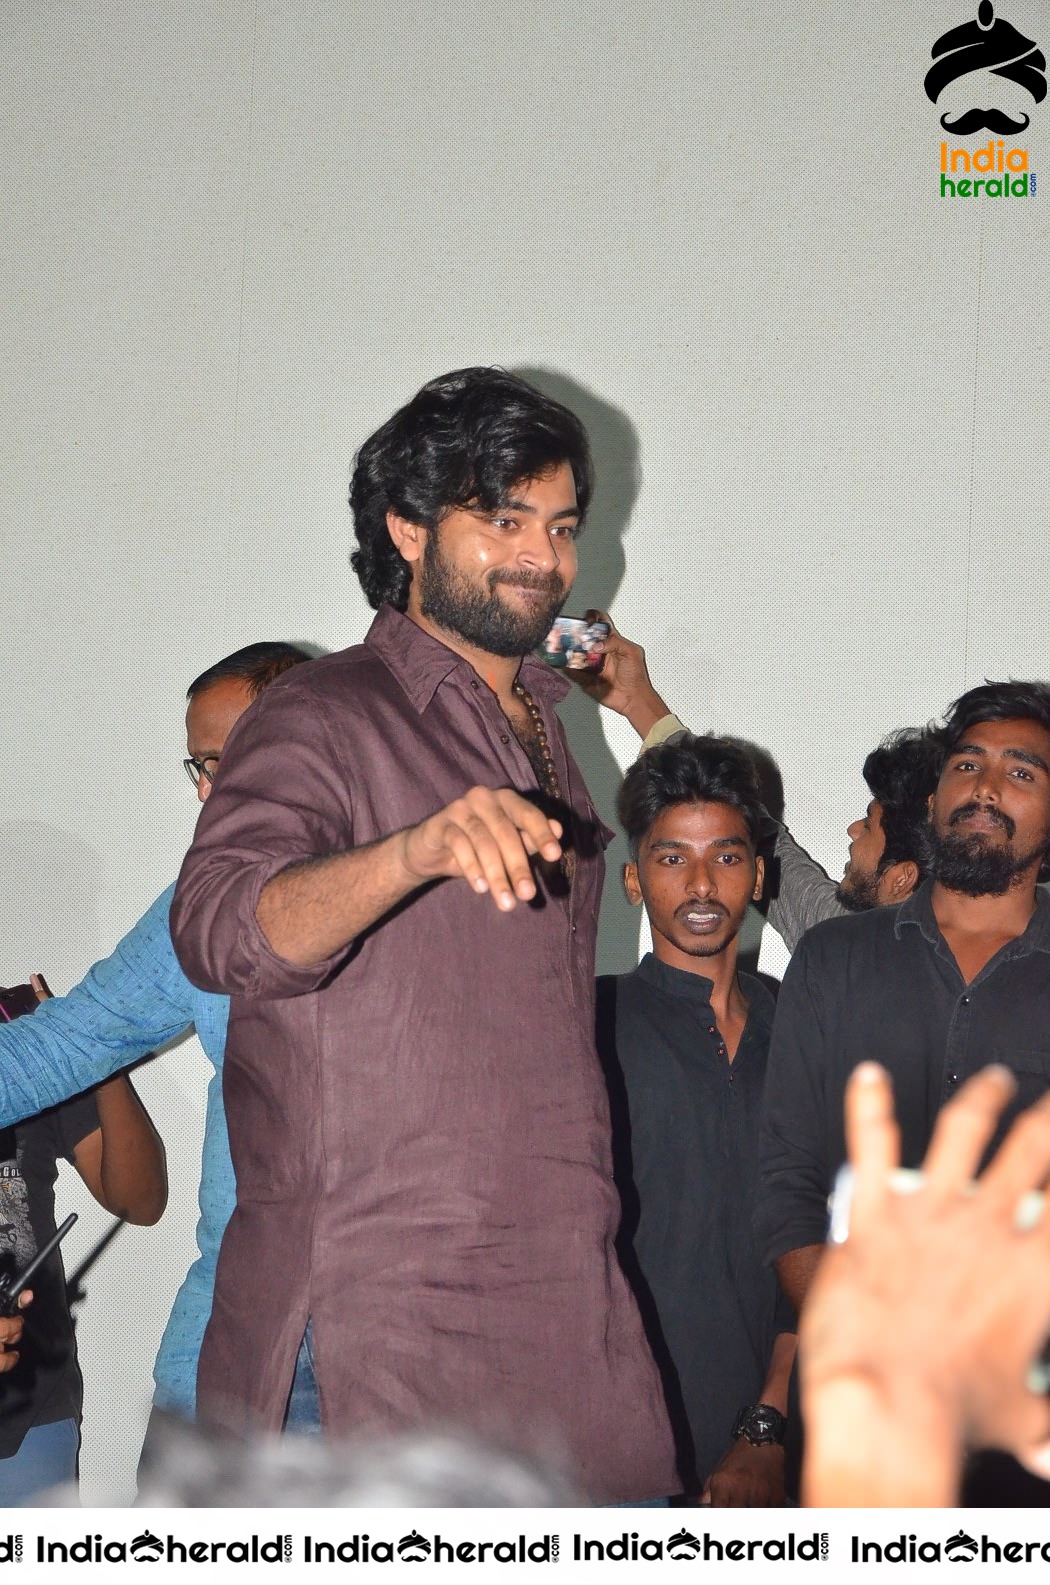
(397, 879)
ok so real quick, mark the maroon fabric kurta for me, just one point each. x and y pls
(418, 1126)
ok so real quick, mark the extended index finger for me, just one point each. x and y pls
(872, 1135)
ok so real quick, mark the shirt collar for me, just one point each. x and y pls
(696, 988)
(918, 910)
(674, 982)
(421, 663)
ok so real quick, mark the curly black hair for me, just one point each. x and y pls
(463, 440)
(690, 768)
(901, 774)
(996, 701)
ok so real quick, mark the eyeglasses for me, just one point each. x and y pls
(196, 768)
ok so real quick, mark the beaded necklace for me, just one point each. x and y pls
(547, 773)
(546, 769)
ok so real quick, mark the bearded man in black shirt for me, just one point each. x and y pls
(684, 1042)
(955, 978)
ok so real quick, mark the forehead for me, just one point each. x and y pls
(698, 825)
(553, 490)
(550, 492)
(212, 713)
(1001, 737)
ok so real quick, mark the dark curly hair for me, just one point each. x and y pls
(462, 441)
(690, 768)
(901, 774)
(996, 701)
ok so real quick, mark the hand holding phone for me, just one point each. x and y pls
(575, 643)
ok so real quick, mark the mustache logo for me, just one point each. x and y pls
(976, 120)
(996, 816)
(987, 44)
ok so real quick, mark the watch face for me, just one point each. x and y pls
(760, 1423)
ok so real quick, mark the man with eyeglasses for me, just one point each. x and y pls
(138, 999)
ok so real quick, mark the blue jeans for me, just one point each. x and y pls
(645, 1502)
(47, 1458)
(303, 1414)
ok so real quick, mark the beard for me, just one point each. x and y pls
(858, 893)
(477, 614)
(969, 864)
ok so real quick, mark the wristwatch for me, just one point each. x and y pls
(760, 1424)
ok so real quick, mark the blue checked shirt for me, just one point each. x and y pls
(133, 1001)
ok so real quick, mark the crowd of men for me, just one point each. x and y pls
(465, 1185)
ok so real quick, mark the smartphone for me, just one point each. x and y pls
(575, 643)
(11, 1285)
(15, 1001)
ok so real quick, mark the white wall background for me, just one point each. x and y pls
(238, 234)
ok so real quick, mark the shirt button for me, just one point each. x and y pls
(504, 738)
(953, 1079)
(966, 1001)
(474, 682)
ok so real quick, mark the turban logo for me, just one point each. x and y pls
(961, 1548)
(683, 1545)
(987, 44)
(414, 1548)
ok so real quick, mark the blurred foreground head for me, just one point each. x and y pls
(194, 1468)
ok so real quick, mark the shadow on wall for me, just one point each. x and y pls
(49, 917)
(614, 444)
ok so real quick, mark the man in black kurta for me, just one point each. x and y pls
(684, 1040)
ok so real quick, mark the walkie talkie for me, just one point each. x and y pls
(11, 1285)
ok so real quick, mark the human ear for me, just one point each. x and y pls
(630, 884)
(410, 538)
(898, 881)
(760, 879)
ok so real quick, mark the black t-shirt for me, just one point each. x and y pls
(45, 1385)
(685, 1152)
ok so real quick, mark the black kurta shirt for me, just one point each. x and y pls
(883, 986)
(685, 1152)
